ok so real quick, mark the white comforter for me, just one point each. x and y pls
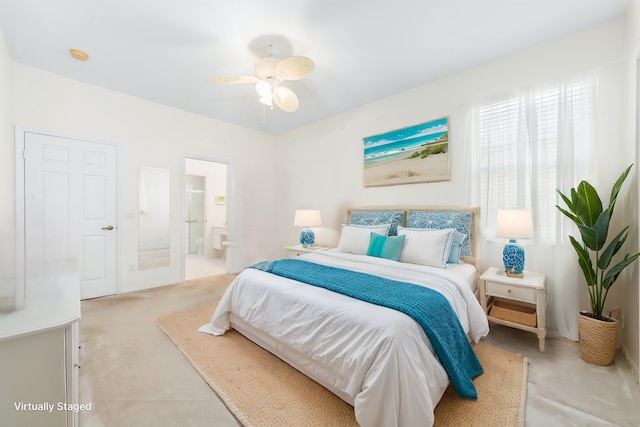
(376, 358)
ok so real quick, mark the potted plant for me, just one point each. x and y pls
(598, 332)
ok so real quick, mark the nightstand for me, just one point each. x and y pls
(297, 250)
(515, 302)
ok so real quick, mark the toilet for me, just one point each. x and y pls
(200, 244)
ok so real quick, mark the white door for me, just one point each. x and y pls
(70, 208)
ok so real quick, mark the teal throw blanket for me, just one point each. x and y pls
(429, 308)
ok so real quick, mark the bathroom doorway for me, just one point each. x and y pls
(205, 213)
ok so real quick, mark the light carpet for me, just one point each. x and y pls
(261, 390)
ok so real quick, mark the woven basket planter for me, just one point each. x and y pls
(598, 338)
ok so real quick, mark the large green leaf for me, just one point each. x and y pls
(569, 215)
(587, 203)
(585, 262)
(602, 228)
(612, 249)
(612, 274)
(571, 212)
(579, 207)
(616, 188)
(595, 237)
(589, 236)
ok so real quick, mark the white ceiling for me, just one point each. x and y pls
(166, 50)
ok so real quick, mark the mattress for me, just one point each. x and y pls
(466, 272)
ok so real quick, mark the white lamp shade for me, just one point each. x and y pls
(307, 218)
(514, 224)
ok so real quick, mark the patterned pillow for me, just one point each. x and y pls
(461, 221)
(395, 218)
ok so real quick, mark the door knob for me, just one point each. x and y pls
(108, 227)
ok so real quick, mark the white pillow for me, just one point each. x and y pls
(426, 246)
(355, 238)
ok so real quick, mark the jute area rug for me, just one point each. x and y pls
(261, 390)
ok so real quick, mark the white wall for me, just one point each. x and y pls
(631, 302)
(149, 134)
(321, 164)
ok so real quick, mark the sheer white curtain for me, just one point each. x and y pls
(520, 150)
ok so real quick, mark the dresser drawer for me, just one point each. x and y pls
(511, 292)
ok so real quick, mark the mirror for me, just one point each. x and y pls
(195, 213)
(153, 218)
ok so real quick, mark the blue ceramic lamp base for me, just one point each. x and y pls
(307, 237)
(513, 259)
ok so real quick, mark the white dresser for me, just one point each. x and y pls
(39, 351)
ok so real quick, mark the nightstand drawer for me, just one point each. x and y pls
(299, 250)
(293, 254)
(511, 292)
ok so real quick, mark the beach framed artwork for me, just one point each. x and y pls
(410, 155)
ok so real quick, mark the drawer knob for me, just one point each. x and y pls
(508, 291)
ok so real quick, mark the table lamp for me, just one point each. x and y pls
(307, 219)
(514, 224)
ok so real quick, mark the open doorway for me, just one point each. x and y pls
(205, 213)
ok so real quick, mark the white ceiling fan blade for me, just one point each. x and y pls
(234, 80)
(266, 67)
(294, 67)
(284, 98)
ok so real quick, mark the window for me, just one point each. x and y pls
(528, 146)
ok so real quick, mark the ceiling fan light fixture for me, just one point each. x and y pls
(267, 100)
(263, 88)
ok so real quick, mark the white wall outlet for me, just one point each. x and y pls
(132, 268)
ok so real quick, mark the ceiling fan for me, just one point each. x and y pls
(270, 72)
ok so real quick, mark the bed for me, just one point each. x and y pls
(380, 360)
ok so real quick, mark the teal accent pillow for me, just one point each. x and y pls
(388, 247)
